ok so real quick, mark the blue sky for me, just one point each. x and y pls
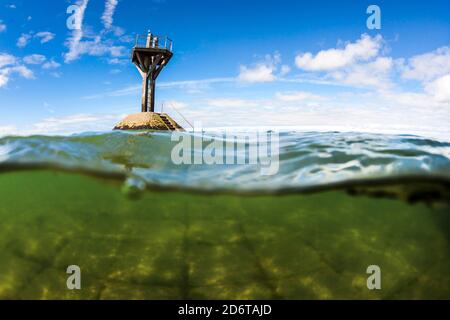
(310, 64)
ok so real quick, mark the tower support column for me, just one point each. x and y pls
(152, 95)
(144, 92)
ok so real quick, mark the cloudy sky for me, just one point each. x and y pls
(308, 64)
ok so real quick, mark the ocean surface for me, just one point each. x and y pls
(141, 225)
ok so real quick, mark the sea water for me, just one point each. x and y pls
(140, 226)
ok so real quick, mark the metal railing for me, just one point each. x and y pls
(171, 106)
(153, 41)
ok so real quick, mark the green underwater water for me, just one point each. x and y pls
(141, 226)
(188, 245)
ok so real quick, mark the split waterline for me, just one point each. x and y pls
(142, 227)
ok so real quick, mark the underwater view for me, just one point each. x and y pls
(141, 227)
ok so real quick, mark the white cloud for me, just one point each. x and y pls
(373, 74)
(9, 66)
(382, 107)
(183, 84)
(94, 47)
(75, 123)
(120, 32)
(373, 111)
(52, 64)
(195, 85)
(23, 71)
(77, 34)
(65, 124)
(263, 71)
(6, 73)
(34, 59)
(428, 66)
(260, 73)
(131, 90)
(56, 74)
(76, 118)
(175, 104)
(285, 69)
(357, 64)
(97, 47)
(363, 49)
(6, 131)
(6, 59)
(440, 89)
(2, 26)
(118, 61)
(296, 96)
(115, 71)
(23, 40)
(4, 78)
(107, 17)
(45, 36)
(230, 103)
